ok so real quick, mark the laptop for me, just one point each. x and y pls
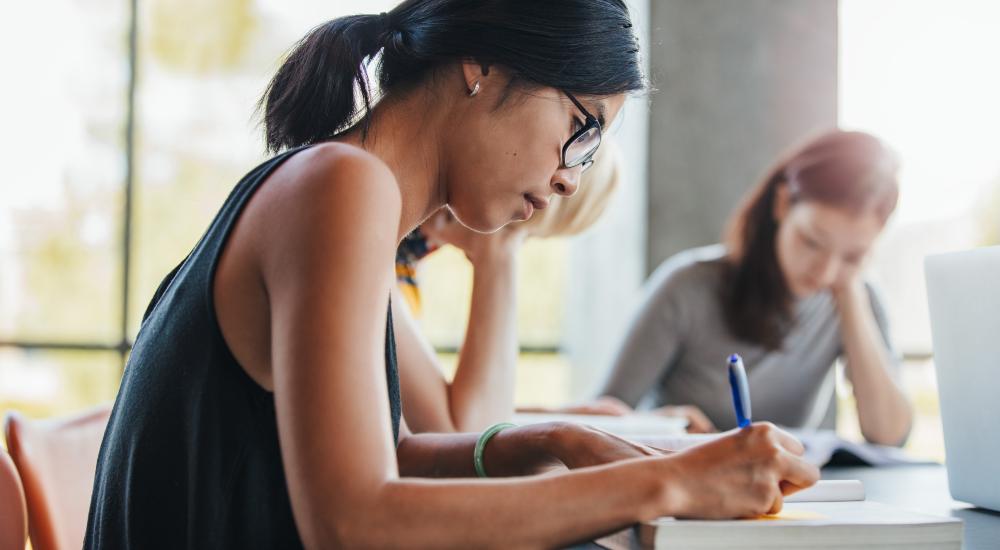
(963, 292)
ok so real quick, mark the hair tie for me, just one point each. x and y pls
(383, 23)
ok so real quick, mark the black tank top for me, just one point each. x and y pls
(190, 457)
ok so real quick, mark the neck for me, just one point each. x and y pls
(410, 147)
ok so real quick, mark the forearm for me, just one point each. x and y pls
(512, 452)
(564, 509)
(884, 412)
(482, 392)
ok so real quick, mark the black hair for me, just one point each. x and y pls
(584, 47)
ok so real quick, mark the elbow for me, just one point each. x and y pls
(465, 424)
(465, 416)
(886, 439)
(891, 435)
(330, 535)
(349, 530)
(353, 518)
(479, 420)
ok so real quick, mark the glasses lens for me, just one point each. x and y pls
(583, 147)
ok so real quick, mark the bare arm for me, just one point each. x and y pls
(482, 392)
(483, 389)
(884, 412)
(328, 330)
(421, 382)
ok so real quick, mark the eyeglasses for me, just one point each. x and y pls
(580, 148)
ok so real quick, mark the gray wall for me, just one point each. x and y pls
(608, 262)
(738, 82)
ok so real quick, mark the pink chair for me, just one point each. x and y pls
(13, 510)
(56, 460)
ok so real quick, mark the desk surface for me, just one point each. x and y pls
(925, 489)
(919, 489)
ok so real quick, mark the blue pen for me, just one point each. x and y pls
(741, 390)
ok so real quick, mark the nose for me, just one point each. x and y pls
(566, 181)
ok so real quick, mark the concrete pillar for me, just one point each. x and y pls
(738, 82)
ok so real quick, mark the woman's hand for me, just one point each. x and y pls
(442, 228)
(849, 290)
(698, 422)
(745, 473)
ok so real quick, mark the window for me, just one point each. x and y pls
(77, 145)
(919, 73)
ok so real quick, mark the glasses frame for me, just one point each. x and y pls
(590, 122)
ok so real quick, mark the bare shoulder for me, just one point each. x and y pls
(324, 194)
(347, 176)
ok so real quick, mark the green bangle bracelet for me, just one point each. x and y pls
(477, 455)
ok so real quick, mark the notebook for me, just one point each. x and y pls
(831, 515)
(823, 447)
(632, 425)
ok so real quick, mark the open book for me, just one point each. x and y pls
(823, 447)
(830, 515)
(633, 425)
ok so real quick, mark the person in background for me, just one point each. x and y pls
(787, 292)
(482, 390)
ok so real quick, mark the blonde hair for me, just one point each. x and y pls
(567, 216)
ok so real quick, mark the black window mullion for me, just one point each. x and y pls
(124, 345)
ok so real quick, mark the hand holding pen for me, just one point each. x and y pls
(741, 390)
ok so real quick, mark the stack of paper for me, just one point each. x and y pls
(832, 515)
(815, 525)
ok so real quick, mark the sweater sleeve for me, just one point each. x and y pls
(654, 339)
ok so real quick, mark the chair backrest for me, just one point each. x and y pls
(56, 460)
(13, 511)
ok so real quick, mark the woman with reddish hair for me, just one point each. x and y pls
(786, 292)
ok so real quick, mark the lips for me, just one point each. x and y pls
(537, 202)
(530, 203)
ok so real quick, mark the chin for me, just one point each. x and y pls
(480, 222)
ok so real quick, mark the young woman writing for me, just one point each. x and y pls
(260, 406)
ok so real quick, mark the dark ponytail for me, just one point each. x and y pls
(585, 47)
(312, 95)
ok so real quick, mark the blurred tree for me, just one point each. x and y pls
(199, 36)
(70, 267)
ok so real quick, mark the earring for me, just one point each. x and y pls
(474, 90)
